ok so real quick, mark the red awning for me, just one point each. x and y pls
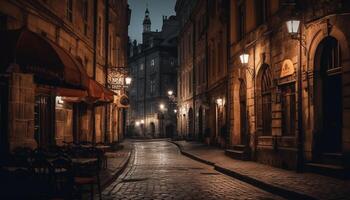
(67, 92)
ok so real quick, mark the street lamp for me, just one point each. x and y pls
(244, 58)
(294, 30)
(142, 121)
(137, 123)
(128, 80)
(170, 92)
(161, 106)
(293, 26)
(220, 102)
(175, 111)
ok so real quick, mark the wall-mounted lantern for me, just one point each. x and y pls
(244, 58)
(293, 26)
(220, 102)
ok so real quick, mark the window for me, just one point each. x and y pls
(152, 63)
(85, 16)
(262, 11)
(288, 109)
(241, 20)
(266, 84)
(152, 87)
(141, 66)
(69, 10)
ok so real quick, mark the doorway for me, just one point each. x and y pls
(200, 123)
(44, 112)
(190, 123)
(328, 97)
(4, 143)
(243, 113)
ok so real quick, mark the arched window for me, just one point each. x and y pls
(266, 84)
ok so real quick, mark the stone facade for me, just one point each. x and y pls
(74, 27)
(274, 100)
(203, 70)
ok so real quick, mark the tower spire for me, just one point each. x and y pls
(146, 21)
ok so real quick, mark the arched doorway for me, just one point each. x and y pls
(169, 130)
(328, 96)
(243, 113)
(266, 100)
(190, 123)
(153, 129)
(200, 123)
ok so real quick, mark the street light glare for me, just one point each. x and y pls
(170, 92)
(161, 106)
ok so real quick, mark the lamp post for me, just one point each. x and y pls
(294, 29)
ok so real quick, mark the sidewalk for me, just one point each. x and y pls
(116, 163)
(288, 184)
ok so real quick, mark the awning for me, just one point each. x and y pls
(67, 92)
(50, 64)
(97, 93)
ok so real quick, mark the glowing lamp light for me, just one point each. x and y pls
(293, 26)
(219, 101)
(128, 80)
(142, 122)
(244, 58)
(175, 111)
(170, 92)
(161, 106)
(137, 123)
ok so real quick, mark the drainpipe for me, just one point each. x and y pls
(106, 65)
(94, 68)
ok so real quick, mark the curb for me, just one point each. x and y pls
(288, 194)
(118, 172)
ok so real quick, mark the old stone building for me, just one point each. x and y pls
(153, 65)
(203, 70)
(289, 83)
(185, 73)
(55, 56)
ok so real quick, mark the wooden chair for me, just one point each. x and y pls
(63, 178)
(89, 174)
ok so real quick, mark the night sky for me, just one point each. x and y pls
(157, 9)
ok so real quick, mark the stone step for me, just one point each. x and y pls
(336, 171)
(236, 154)
(239, 147)
(332, 158)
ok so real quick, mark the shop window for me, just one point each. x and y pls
(288, 109)
(266, 84)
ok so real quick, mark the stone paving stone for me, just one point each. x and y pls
(314, 185)
(157, 170)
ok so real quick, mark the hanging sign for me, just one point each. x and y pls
(287, 68)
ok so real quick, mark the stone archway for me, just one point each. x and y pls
(329, 98)
(190, 123)
(243, 113)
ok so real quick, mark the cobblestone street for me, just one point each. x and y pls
(157, 170)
